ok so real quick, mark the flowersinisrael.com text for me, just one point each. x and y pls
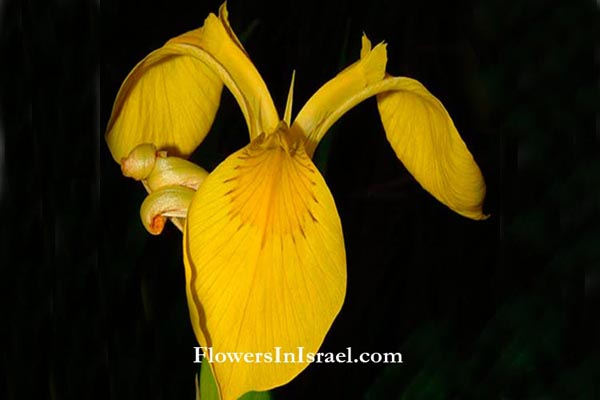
(278, 356)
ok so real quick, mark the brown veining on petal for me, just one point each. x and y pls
(272, 186)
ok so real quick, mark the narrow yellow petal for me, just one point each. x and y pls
(224, 18)
(365, 47)
(168, 100)
(426, 141)
(219, 48)
(287, 115)
(265, 262)
(340, 94)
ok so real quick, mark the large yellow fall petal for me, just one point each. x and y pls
(426, 141)
(169, 99)
(265, 261)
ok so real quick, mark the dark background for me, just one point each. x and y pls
(94, 307)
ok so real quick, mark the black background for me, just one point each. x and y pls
(94, 307)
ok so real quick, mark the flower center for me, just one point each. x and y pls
(271, 186)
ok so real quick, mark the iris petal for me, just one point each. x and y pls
(171, 97)
(220, 48)
(340, 94)
(265, 262)
(426, 141)
(169, 100)
(416, 124)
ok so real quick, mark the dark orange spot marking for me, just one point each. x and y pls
(157, 225)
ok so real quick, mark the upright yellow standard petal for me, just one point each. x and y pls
(218, 47)
(169, 99)
(265, 262)
(340, 94)
(426, 141)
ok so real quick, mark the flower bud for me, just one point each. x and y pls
(169, 202)
(170, 171)
(140, 162)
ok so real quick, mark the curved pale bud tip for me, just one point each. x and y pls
(169, 171)
(140, 162)
(168, 202)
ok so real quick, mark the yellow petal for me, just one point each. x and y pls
(416, 123)
(365, 47)
(218, 47)
(265, 261)
(340, 94)
(426, 141)
(287, 114)
(169, 100)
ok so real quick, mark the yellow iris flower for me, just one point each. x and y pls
(263, 247)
